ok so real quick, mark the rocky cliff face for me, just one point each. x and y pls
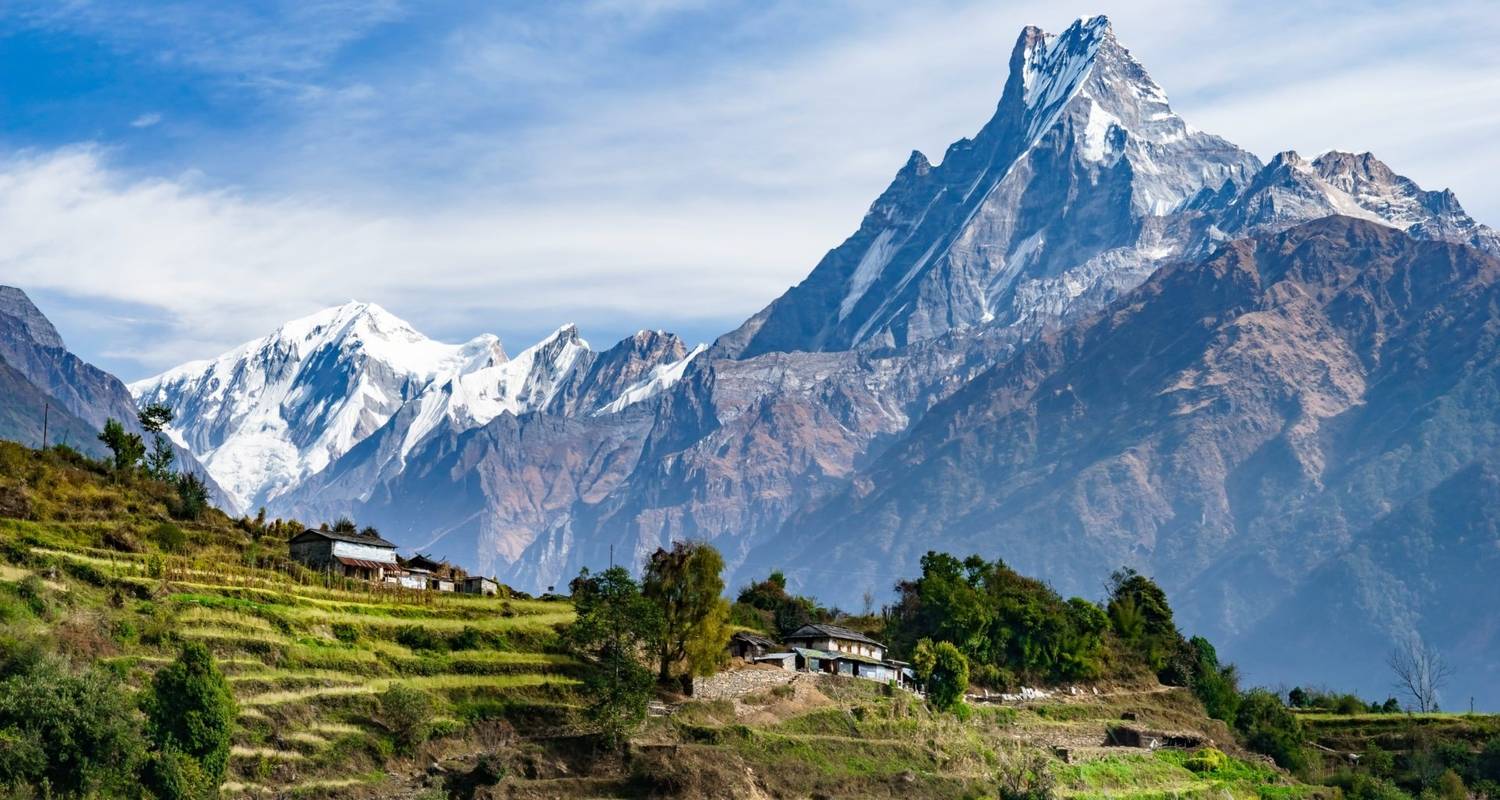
(1232, 427)
(77, 397)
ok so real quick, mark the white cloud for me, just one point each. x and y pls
(527, 166)
(145, 120)
(223, 267)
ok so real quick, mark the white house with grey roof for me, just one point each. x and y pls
(353, 555)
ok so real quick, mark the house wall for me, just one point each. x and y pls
(316, 554)
(364, 551)
(846, 646)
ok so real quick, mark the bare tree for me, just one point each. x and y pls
(1420, 673)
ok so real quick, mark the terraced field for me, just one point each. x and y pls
(308, 656)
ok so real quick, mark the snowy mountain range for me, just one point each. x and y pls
(269, 414)
(840, 424)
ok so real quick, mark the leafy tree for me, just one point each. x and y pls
(1216, 685)
(1297, 698)
(1010, 627)
(1142, 619)
(946, 673)
(159, 461)
(1270, 728)
(154, 418)
(65, 734)
(779, 611)
(615, 628)
(192, 496)
(190, 711)
(127, 449)
(685, 584)
(345, 525)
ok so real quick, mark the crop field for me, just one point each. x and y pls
(305, 656)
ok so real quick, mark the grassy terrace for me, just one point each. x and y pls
(306, 656)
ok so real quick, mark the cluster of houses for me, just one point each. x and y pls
(825, 648)
(366, 556)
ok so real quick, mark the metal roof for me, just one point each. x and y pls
(352, 538)
(364, 563)
(817, 631)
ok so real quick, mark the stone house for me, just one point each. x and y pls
(353, 555)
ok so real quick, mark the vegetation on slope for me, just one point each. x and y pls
(112, 598)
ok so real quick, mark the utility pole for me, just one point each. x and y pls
(46, 415)
(611, 556)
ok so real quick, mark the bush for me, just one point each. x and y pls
(74, 734)
(190, 711)
(417, 637)
(177, 776)
(1269, 728)
(945, 670)
(407, 714)
(1209, 759)
(346, 633)
(169, 538)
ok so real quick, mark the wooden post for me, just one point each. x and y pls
(46, 415)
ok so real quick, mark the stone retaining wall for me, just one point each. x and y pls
(740, 682)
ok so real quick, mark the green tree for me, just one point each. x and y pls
(1270, 728)
(686, 585)
(190, 712)
(779, 611)
(126, 448)
(1216, 685)
(948, 676)
(192, 496)
(63, 733)
(1142, 619)
(615, 628)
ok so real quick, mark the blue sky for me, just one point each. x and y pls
(177, 177)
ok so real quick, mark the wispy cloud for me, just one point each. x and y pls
(145, 120)
(473, 167)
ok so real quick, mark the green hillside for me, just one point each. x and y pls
(96, 574)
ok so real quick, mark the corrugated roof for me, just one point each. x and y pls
(817, 631)
(352, 538)
(364, 563)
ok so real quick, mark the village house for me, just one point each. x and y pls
(824, 648)
(435, 575)
(750, 646)
(480, 585)
(353, 555)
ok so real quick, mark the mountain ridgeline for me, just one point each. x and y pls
(1091, 336)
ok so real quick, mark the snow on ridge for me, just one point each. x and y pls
(471, 399)
(261, 418)
(661, 378)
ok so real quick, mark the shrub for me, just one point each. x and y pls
(177, 776)
(945, 670)
(73, 734)
(1209, 759)
(346, 633)
(407, 714)
(1271, 729)
(169, 538)
(190, 711)
(418, 637)
(1026, 778)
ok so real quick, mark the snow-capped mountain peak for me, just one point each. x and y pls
(272, 411)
